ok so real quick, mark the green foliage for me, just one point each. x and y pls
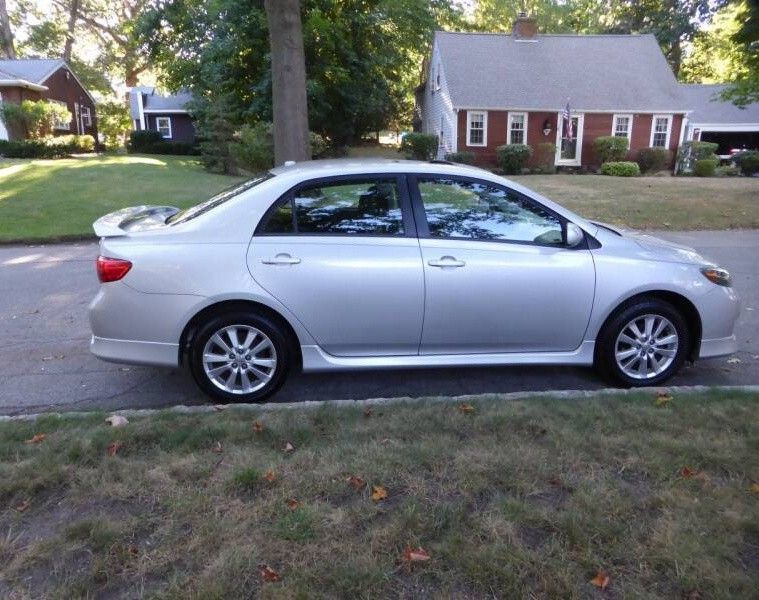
(419, 146)
(151, 142)
(512, 158)
(747, 161)
(141, 139)
(49, 147)
(73, 143)
(34, 119)
(114, 123)
(690, 152)
(610, 148)
(465, 158)
(253, 147)
(705, 167)
(745, 90)
(620, 169)
(653, 160)
(727, 171)
(545, 157)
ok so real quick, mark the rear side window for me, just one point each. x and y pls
(365, 207)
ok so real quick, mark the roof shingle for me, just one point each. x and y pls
(707, 108)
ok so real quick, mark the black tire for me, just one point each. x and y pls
(605, 358)
(282, 351)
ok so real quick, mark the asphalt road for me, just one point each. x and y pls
(45, 363)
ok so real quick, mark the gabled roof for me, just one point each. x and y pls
(152, 101)
(708, 108)
(592, 72)
(35, 70)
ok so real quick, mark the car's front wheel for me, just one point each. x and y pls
(644, 344)
(240, 357)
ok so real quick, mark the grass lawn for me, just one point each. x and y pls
(59, 199)
(677, 203)
(511, 499)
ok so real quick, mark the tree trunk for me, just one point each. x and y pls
(7, 50)
(73, 14)
(288, 81)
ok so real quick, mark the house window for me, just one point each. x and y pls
(661, 126)
(517, 133)
(61, 124)
(622, 126)
(696, 134)
(163, 125)
(86, 116)
(476, 128)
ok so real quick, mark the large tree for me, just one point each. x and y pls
(746, 89)
(7, 48)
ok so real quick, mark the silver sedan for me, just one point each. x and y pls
(349, 264)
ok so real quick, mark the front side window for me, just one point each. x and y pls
(62, 124)
(476, 128)
(163, 125)
(367, 207)
(622, 126)
(517, 128)
(487, 212)
(660, 132)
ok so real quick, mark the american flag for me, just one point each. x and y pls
(567, 116)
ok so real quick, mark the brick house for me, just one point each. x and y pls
(167, 114)
(52, 80)
(483, 90)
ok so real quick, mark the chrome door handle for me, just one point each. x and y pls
(446, 261)
(281, 259)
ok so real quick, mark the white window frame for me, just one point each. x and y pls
(86, 116)
(3, 130)
(653, 130)
(158, 126)
(628, 134)
(60, 126)
(577, 160)
(510, 120)
(469, 115)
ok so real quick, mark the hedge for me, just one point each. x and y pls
(512, 158)
(50, 147)
(419, 146)
(747, 161)
(151, 142)
(466, 158)
(705, 167)
(620, 169)
(690, 152)
(652, 160)
(610, 148)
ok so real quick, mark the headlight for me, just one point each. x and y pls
(718, 275)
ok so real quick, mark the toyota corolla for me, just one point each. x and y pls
(337, 265)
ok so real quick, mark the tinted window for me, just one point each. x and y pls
(481, 211)
(370, 207)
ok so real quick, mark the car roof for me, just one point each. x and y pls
(351, 166)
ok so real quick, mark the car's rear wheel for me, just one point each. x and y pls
(240, 357)
(643, 344)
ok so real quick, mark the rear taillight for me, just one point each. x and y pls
(112, 269)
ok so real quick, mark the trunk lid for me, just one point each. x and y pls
(133, 219)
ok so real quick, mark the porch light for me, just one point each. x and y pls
(546, 127)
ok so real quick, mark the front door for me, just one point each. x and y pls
(498, 275)
(342, 255)
(569, 140)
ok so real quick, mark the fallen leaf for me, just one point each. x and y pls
(378, 493)
(733, 361)
(270, 476)
(693, 595)
(601, 580)
(117, 421)
(368, 412)
(113, 448)
(755, 488)
(258, 427)
(219, 407)
(23, 506)
(292, 503)
(662, 399)
(36, 438)
(465, 407)
(268, 574)
(217, 448)
(356, 482)
(289, 447)
(687, 472)
(413, 555)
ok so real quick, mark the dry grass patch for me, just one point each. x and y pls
(514, 499)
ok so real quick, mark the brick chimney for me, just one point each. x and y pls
(525, 28)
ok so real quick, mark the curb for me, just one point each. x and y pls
(313, 404)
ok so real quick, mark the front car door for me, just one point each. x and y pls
(341, 254)
(499, 277)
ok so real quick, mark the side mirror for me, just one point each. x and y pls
(575, 235)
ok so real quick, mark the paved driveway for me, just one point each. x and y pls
(45, 363)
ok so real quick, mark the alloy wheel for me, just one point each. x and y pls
(239, 359)
(646, 346)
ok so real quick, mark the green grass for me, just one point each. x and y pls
(60, 199)
(516, 499)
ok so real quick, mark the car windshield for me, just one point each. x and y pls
(217, 200)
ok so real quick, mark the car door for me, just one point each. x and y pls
(498, 275)
(341, 254)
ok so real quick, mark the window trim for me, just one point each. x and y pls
(420, 216)
(629, 118)
(510, 120)
(653, 130)
(158, 127)
(407, 216)
(484, 114)
(88, 115)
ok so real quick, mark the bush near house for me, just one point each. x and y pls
(50, 147)
(652, 160)
(512, 158)
(691, 152)
(253, 147)
(727, 171)
(33, 119)
(610, 148)
(747, 161)
(620, 168)
(544, 158)
(151, 142)
(705, 167)
(465, 158)
(419, 146)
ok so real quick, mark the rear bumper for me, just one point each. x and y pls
(135, 353)
(718, 347)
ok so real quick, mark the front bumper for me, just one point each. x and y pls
(718, 347)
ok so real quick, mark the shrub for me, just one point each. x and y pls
(512, 158)
(419, 146)
(138, 140)
(705, 167)
(319, 144)
(114, 123)
(690, 152)
(72, 143)
(610, 148)
(747, 161)
(652, 160)
(253, 146)
(727, 171)
(620, 169)
(50, 147)
(151, 142)
(465, 158)
(34, 119)
(545, 157)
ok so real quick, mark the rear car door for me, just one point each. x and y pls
(341, 254)
(499, 277)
